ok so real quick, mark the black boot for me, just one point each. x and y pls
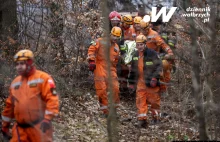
(142, 124)
(155, 122)
(103, 115)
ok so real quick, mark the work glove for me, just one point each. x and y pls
(5, 133)
(153, 82)
(92, 65)
(168, 57)
(45, 125)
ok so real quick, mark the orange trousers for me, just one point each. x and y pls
(30, 134)
(166, 77)
(101, 91)
(142, 100)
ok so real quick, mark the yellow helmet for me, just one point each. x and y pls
(23, 55)
(116, 31)
(137, 19)
(127, 19)
(166, 65)
(141, 38)
(144, 24)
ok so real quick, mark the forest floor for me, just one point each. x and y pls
(80, 121)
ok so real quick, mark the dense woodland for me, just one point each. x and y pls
(59, 33)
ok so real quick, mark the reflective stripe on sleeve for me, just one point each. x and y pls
(142, 115)
(152, 36)
(167, 49)
(15, 84)
(156, 113)
(90, 56)
(39, 80)
(49, 115)
(48, 112)
(103, 107)
(7, 119)
(170, 44)
(115, 48)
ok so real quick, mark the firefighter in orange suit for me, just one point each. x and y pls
(98, 64)
(146, 67)
(137, 27)
(127, 21)
(33, 102)
(114, 19)
(123, 70)
(155, 42)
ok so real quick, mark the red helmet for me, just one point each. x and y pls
(114, 15)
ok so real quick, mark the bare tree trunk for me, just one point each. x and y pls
(8, 26)
(57, 26)
(111, 121)
(196, 79)
(212, 62)
(8, 19)
(111, 5)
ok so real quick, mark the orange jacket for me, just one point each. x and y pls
(97, 52)
(155, 42)
(145, 66)
(31, 99)
(128, 33)
(135, 33)
(141, 85)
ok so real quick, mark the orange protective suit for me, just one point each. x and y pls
(31, 134)
(165, 77)
(97, 52)
(135, 33)
(145, 66)
(146, 95)
(128, 33)
(31, 100)
(155, 42)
